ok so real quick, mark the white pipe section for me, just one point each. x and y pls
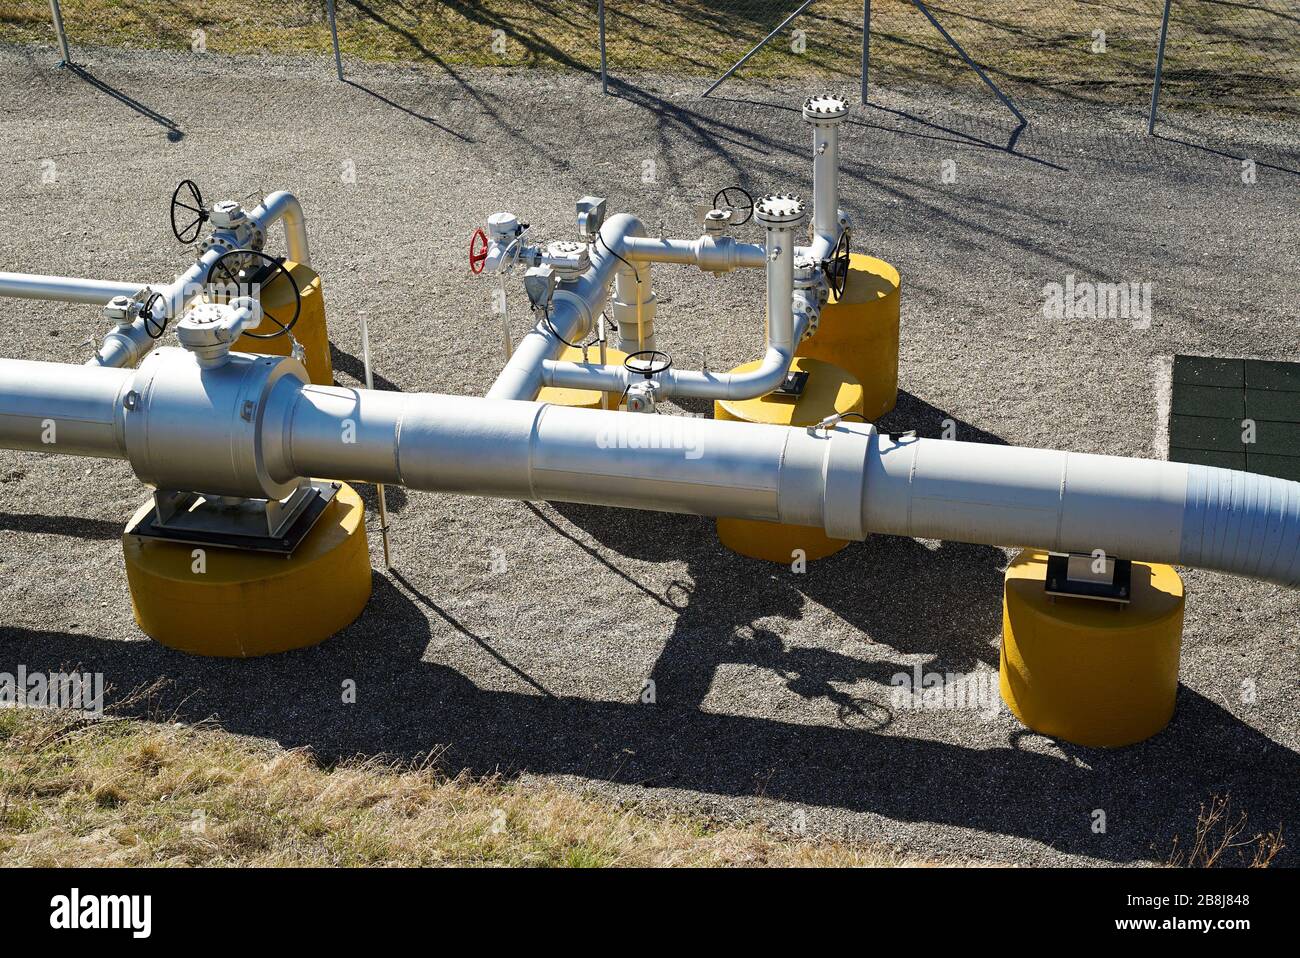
(1172, 512)
(254, 424)
(283, 205)
(64, 289)
(62, 409)
(714, 254)
(523, 450)
(826, 180)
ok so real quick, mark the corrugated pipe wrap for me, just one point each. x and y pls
(1143, 509)
(1242, 523)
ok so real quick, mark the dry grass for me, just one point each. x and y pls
(1218, 51)
(1223, 839)
(127, 792)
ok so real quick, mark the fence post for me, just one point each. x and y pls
(334, 34)
(63, 37)
(1160, 68)
(604, 75)
(866, 46)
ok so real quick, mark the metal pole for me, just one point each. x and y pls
(969, 62)
(1160, 67)
(758, 46)
(338, 66)
(604, 74)
(370, 384)
(866, 46)
(63, 37)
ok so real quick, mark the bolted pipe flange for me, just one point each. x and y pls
(779, 210)
(825, 110)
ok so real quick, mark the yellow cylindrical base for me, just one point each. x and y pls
(583, 398)
(1089, 672)
(859, 332)
(243, 604)
(829, 390)
(310, 330)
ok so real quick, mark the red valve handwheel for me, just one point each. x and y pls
(478, 254)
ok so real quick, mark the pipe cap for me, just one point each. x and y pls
(779, 209)
(826, 108)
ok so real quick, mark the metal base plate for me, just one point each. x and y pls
(1064, 578)
(793, 385)
(213, 523)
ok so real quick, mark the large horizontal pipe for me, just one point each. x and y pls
(848, 480)
(1191, 515)
(62, 409)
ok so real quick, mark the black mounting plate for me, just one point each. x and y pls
(1063, 579)
(793, 385)
(285, 544)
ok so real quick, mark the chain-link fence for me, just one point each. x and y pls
(1233, 54)
(1220, 54)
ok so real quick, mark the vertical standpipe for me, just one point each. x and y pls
(825, 113)
(779, 215)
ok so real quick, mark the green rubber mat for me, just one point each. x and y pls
(1236, 413)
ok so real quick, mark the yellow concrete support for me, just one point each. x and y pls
(243, 604)
(859, 333)
(829, 390)
(310, 330)
(1089, 672)
(583, 398)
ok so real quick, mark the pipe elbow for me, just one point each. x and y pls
(283, 205)
(123, 347)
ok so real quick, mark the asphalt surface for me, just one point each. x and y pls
(773, 694)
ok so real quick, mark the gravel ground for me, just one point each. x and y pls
(773, 688)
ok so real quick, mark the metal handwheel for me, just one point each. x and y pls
(837, 267)
(153, 326)
(194, 206)
(222, 272)
(648, 363)
(736, 200)
(478, 251)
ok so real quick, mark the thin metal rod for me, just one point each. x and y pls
(379, 487)
(1160, 69)
(338, 65)
(1006, 101)
(604, 73)
(63, 37)
(604, 358)
(866, 46)
(758, 46)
